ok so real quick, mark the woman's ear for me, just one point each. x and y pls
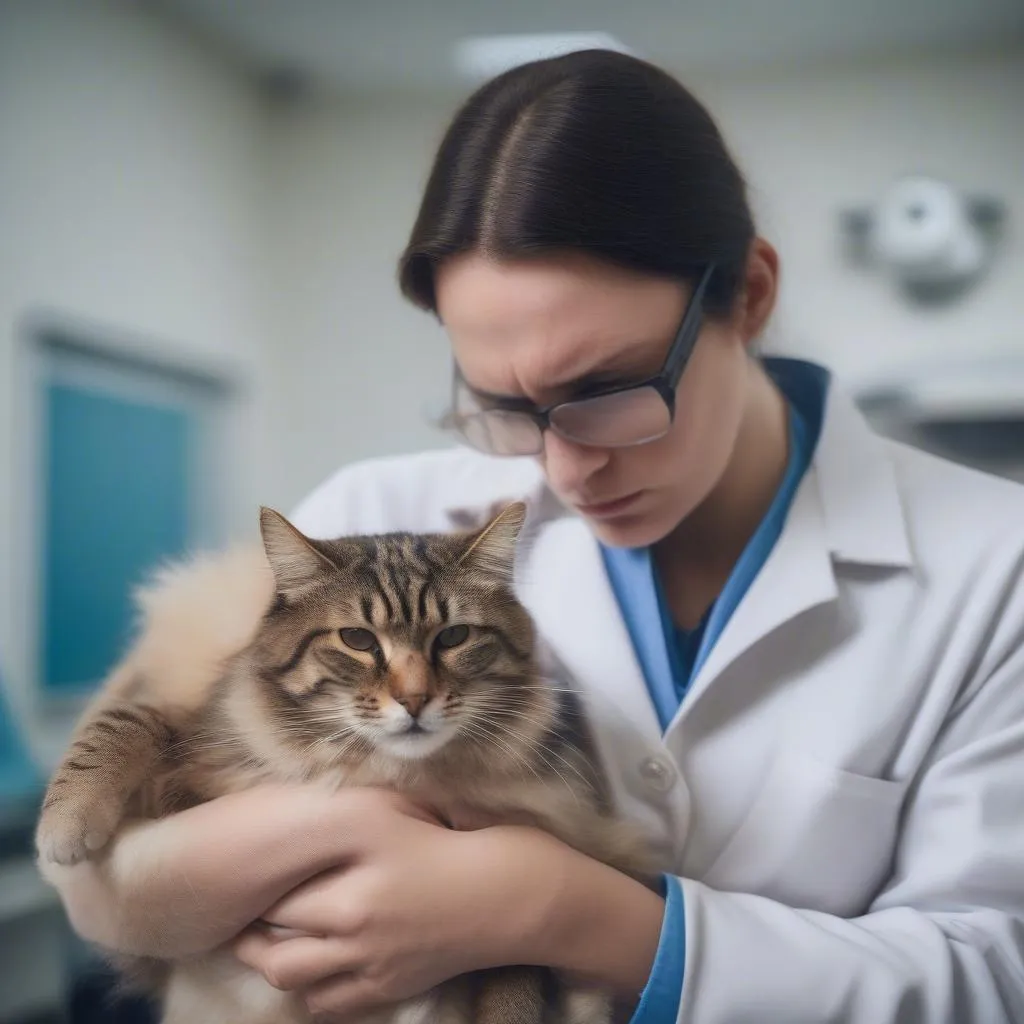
(759, 292)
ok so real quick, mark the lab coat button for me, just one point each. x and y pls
(658, 773)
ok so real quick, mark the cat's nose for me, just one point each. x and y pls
(412, 702)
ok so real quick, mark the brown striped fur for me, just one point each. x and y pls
(401, 660)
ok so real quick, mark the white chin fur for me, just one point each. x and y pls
(391, 737)
(412, 746)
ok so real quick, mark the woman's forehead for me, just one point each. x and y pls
(551, 321)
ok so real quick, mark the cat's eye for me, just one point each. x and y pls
(358, 639)
(452, 636)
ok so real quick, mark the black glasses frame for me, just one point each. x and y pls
(665, 381)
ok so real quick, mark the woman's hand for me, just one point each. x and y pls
(185, 884)
(406, 912)
(415, 904)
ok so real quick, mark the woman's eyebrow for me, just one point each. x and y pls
(628, 363)
(611, 371)
(570, 387)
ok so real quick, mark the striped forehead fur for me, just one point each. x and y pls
(439, 559)
(407, 578)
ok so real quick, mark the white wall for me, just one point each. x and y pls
(812, 142)
(131, 199)
(365, 371)
(816, 142)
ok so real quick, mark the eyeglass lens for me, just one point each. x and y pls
(616, 420)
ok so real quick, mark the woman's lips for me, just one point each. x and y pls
(609, 509)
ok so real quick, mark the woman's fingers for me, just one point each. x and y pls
(295, 964)
(333, 903)
(278, 932)
(322, 970)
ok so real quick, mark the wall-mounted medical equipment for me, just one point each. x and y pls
(932, 239)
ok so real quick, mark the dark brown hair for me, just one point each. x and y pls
(594, 151)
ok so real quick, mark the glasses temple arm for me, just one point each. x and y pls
(689, 329)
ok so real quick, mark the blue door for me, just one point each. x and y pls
(127, 467)
(118, 476)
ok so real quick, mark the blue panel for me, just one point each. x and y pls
(117, 481)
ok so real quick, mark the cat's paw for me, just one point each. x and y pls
(70, 830)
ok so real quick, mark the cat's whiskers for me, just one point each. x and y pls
(544, 686)
(511, 716)
(504, 698)
(211, 743)
(332, 738)
(512, 708)
(478, 729)
(542, 750)
(307, 723)
(526, 711)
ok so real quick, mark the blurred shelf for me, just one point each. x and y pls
(970, 411)
(989, 389)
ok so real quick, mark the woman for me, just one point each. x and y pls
(801, 645)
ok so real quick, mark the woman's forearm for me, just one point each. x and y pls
(188, 883)
(609, 926)
(561, 909)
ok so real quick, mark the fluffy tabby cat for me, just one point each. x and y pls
(402, 660)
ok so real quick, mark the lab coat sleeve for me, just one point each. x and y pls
(660, 999)
(943, 942)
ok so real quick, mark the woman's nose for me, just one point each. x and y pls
(568, 466)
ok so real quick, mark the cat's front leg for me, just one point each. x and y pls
(115, 752)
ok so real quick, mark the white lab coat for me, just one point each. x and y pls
(842, 790)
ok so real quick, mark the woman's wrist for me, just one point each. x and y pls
(564, 910)
(603, 926)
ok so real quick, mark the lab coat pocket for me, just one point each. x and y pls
(816, 837)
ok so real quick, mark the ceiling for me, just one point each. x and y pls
(407, 44)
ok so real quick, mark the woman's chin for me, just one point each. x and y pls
(629, 531)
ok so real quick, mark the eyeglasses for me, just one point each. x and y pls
(617, 417)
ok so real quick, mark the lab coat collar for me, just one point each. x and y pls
(846, 510)
(797, 576)
(856, 480)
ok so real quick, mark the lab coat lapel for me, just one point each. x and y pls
(564, 584)
(797, 576)
(846, 510)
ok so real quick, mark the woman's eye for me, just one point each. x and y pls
(358, 639)
(452, 636)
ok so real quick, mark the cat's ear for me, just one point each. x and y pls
(294, 561)
(492, 550)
